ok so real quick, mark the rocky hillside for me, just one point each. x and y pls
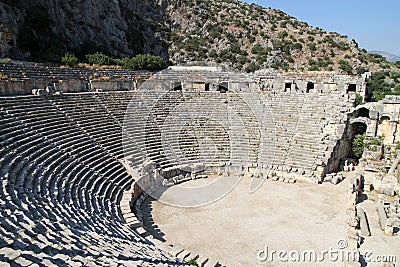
(246, 37)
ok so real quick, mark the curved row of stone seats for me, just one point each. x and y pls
(56, 207)
(302, 121)
(86, 151)
(217, 107)
(98, 165)
(319, 113)
(116, 103)
(309, 134)
(165, 106)
(93, 119)
(252, 125)
(141, 128)
(199, 122)
(285, 109)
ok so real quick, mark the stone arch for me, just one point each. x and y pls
(362, 112)
(390, 116)
(358, 126)
(361, 120)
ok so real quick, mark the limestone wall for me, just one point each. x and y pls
(383, 119)
(322, 82)
(67, 79)
(15, 87)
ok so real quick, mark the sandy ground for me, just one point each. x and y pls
(278, 216)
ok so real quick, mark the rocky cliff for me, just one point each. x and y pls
(47, 28)
(247, 37)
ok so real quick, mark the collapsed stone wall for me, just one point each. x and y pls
(382, 119)
(381, 152)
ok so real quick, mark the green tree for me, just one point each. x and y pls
(358, 145)
(252, 67)
(378, 85)
(69, 59)
(359, 99)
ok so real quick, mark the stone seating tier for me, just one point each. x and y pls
(59, 207)
(62, 173)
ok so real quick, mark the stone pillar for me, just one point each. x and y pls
(293, 87)
(393, 131)
(372, 128)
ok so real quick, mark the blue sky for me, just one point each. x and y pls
(374, 24)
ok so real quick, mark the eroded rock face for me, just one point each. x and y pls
(8, 27)
(123, 27)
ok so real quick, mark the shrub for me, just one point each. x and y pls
(358, 145)
(143, 62)
(99, 58)
(252, 67)
(312, 46)
(193, 262)
(69, 59)
(5, 60)
(235, 48)
(359, 99)
(378, 85)
(395, 76)
(283, 34)
(298, 46)
(375, 142)
(257, 49)
(212, 53)
(345, 66)
(360, 70)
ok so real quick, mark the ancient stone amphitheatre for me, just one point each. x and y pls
(200, 166)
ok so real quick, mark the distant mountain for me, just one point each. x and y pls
(389, 57)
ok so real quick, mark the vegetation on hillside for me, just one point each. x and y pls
(138, 62)
(384, 83)
(244, 36)
(249, 37)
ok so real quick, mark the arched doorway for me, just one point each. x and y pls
(357, 133)
(358, 127)
(384, 130)
(362, 112)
